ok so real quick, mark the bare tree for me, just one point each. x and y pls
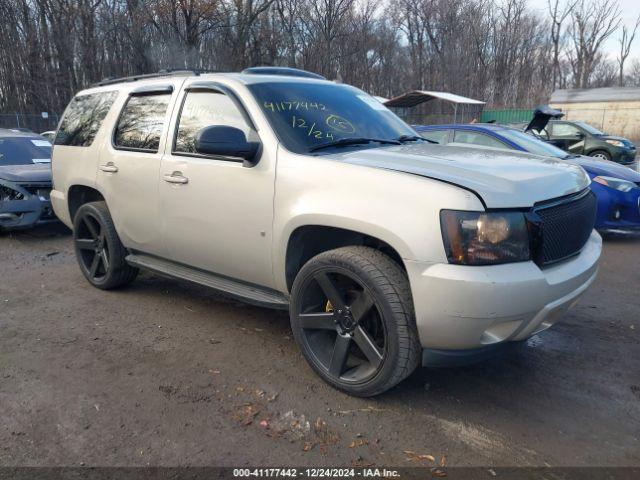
(592, 23)
(558, 16)
(625, 48)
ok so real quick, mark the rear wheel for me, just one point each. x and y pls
(600, 155)
(99, 251)
(352, 315)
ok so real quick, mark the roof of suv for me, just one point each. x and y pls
(247, 76)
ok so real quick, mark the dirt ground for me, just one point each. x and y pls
(168, 373)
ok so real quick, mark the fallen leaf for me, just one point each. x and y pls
(308, 446)
(358, 443)
(413, 456)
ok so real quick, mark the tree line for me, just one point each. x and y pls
(500, 51)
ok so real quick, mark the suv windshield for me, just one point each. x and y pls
(532, 144)
(24, 151)
(589, 128)
(307, 115)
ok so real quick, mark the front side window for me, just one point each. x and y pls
(477, 138)
(438, 136)
(564, 130)
(83, 118)
(589, 128)
(204, 109)
(307, 115)
(141, 121)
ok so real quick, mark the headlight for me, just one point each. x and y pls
(479, 238)
(615, 183)
(615, 143)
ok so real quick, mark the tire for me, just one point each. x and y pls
(98, 248)
(352, 316)
(601, 154)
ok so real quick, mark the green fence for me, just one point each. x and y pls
(507, 116)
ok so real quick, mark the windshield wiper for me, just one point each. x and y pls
(343, 142)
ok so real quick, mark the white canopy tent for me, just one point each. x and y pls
(416, 97)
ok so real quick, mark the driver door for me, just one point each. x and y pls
(216, 213)
(568, 137)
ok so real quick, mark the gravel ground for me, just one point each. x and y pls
(168, 373)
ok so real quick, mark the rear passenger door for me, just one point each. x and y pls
(217, 212)
(129, 165)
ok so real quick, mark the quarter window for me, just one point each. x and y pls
(141, 121)
(476, 138)
(203, 109)
(83, 118)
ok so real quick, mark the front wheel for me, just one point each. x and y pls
(600, 155)
(99, 251)
(352, 315)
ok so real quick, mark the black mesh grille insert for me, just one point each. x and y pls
(566, 226)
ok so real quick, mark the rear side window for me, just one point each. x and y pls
(83, 118)
(439, 136)
(203, 109)
(141, 121)
(476, 138)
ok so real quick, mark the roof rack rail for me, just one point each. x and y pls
(162, 73)
(292, 72)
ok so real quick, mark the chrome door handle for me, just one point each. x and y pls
(109, 168)
(175, 177)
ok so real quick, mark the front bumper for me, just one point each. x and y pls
(474, 307)
(625, 156)
(617, 210)
(34, 208)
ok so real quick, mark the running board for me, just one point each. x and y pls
(246, 292)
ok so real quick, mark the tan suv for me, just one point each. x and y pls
(289, 191)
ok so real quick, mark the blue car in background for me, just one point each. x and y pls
(616, 187)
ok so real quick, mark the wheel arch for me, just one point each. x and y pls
(78, 195)
(307, 241)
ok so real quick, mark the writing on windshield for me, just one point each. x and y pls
(305, 115)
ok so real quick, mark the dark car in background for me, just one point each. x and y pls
(577, 137)
(25, 180)
(617, 188)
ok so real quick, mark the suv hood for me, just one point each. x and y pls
(37, 172)
(606, 168)
(502, 178)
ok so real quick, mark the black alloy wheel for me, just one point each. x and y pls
(99, 250)
(352, 316)
(342, 327)
(92, 247)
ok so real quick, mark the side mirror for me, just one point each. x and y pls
(579, 135)
(226, 141)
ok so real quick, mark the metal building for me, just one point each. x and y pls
(614, 110)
